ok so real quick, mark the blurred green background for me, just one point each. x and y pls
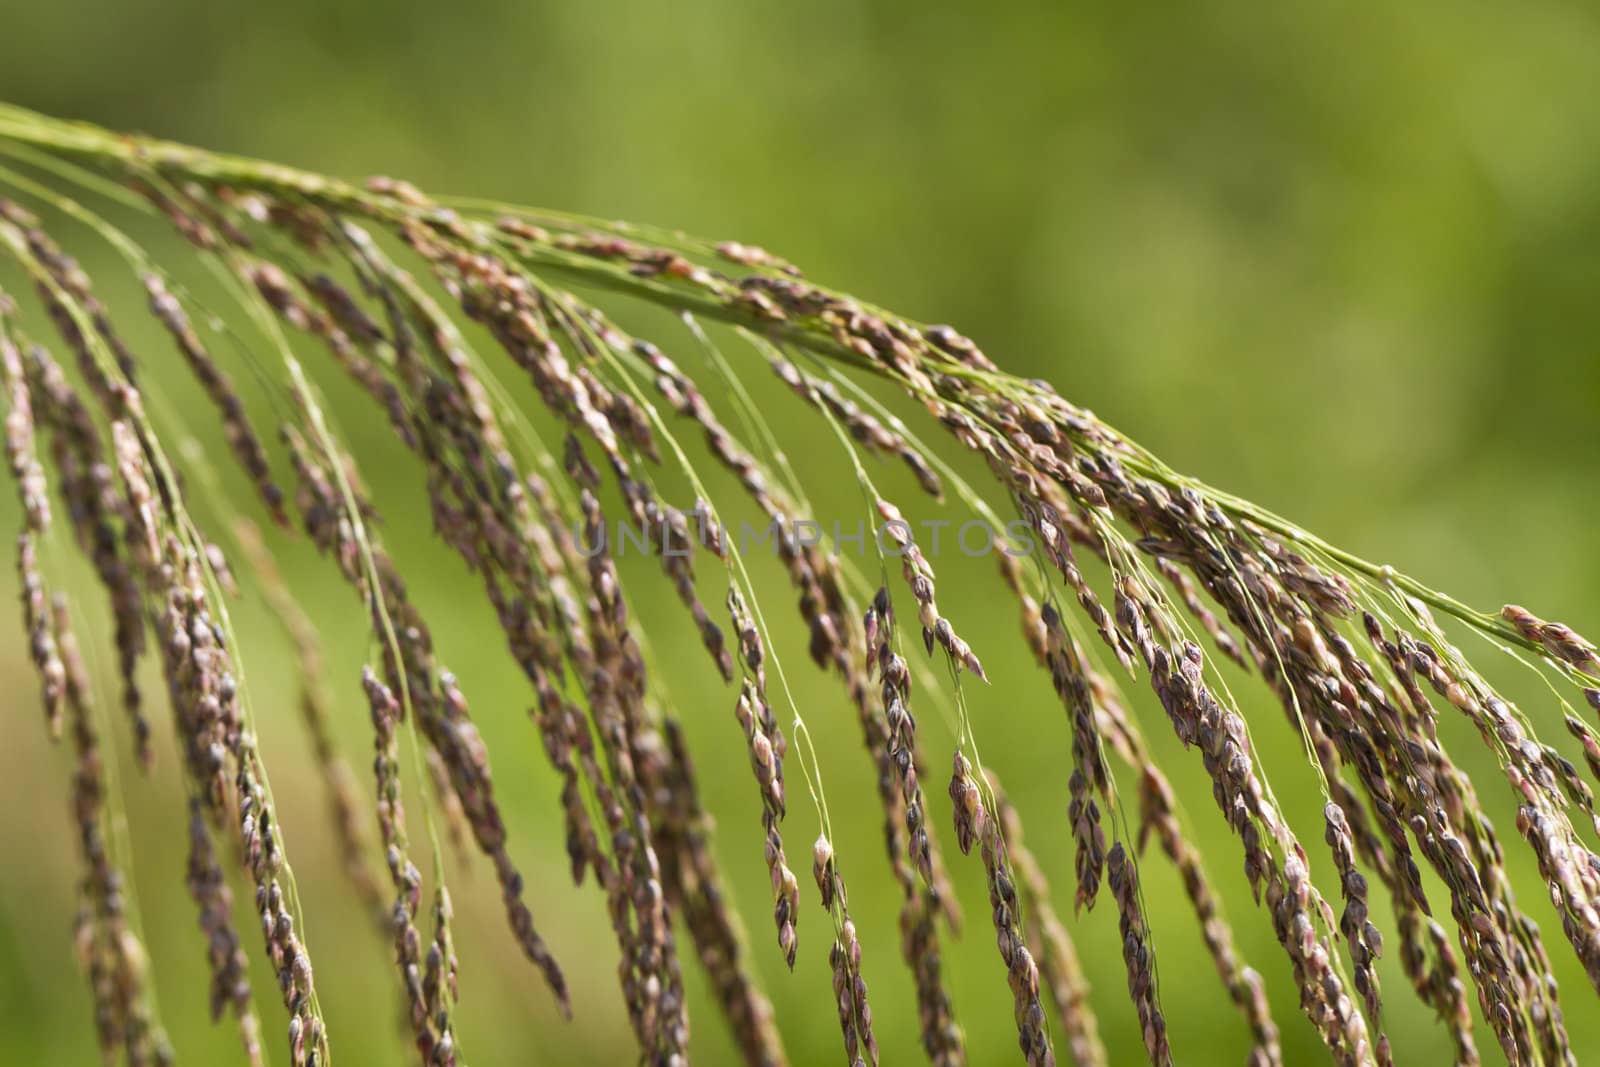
(1341, 260)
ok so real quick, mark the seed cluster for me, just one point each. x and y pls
(409, 666)
(1159, 819)
(918, 573)
(694, 883)
(111, 951)
(849, 988)
(205, 699)
(767, 747)
(1050, 943)
(1089, 778)
(892, 742)
(427, 1011)
(95, 509)
(974, 825)
(895, 678)
(1136, 953)
(380, 280)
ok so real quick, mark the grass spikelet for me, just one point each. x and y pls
(65, 290)
(451, 813)
(942, 1039)
(1137, 954)
(439, 982)
(1290, 898)
(230, 982)
(919, 576)
(463, 754)
(616, 688)
(1159, 818)
(767, 749)
(1366, 945)
(21, 446)
(895, 681)
(1220, 636)
(200, 678)
(1560, 640)
(116, 962)
(974, 825)
(694, 882)
(673, 539)
(1050, 943)
(332, 518)
(95, 508)
(241, 436)
(41, 640)
(849, 988)
(1089, 778)
(891, 742)
(430, 1028)
(922, 900)
(1438, 982)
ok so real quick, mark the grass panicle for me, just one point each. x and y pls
(1118, 557)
